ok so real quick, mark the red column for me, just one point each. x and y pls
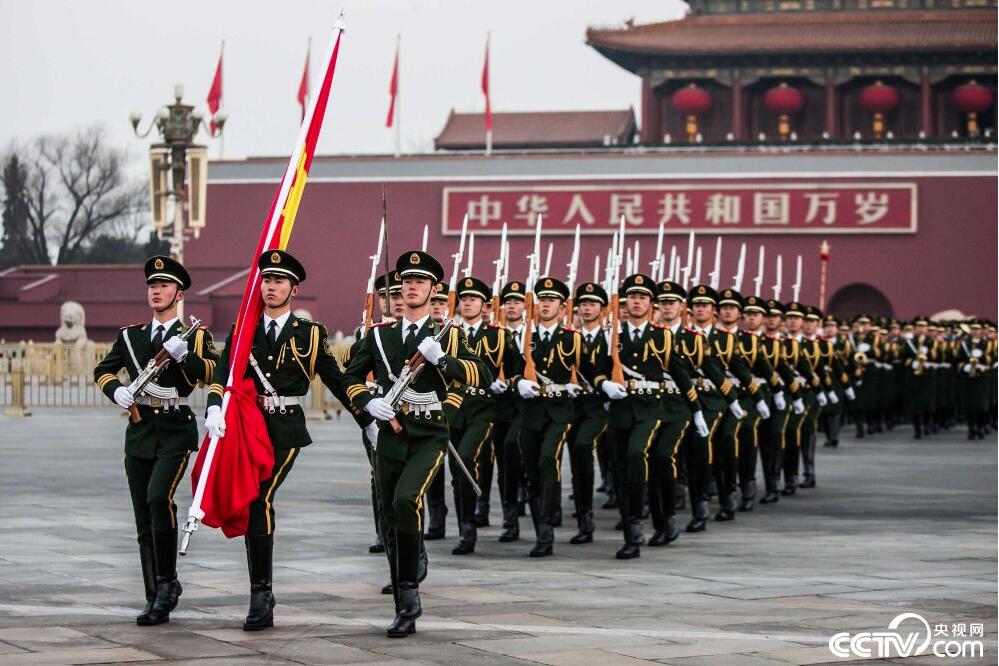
(926, 105)
(652, 128)
(738, 130)
(832, 108)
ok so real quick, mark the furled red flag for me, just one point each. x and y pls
(215, 92)
(485, 89)
(303, 86)
(393, 89)
(228, 471)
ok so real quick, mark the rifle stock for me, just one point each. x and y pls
(530, 370)
(617, 370)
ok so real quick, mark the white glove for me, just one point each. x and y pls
(821, 397)
(123, 397)
(779, 402)
(833, 398)
(380, 409)
(214, 423)
(499, 387)
(799, 406)
(849, 393)
(573, 389)
(764, 411)
(737, 410)
(700, 424)
(614, 390)
(431, 350)
(176, 347)
(371, 430)
(528, 389)
(966, 368)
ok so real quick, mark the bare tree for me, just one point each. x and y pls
(75, 190)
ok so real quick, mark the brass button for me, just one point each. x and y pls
(156, 411)
(267, 374)
(270, 358)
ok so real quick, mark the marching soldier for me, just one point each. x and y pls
(472, 427)
(509, 407)
(975, 356)
(407, 458)
(436, 503)
(834, 352)
(162, 432)
(288, 353)
(919, 354)
(866, 356)
(592, 417)
(803, 355)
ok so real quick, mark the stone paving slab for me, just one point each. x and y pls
(894, 526)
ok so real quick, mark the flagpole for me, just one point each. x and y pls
(489, 114)
(222, 136)
(397, 118)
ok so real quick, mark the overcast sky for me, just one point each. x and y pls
(70, 64)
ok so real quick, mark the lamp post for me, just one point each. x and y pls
(178, 170)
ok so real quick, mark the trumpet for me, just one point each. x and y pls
(919, 365)
(975, 367)
(860, 358)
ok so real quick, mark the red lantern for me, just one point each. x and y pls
(972, 99)
(784, 101)
(692, 101)
(878, 99)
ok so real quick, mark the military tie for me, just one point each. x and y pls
(589, 340)
(410, 343)
(637, 337)
(158, 339)
(272, 333)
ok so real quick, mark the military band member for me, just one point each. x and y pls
(918, 354)
(472, 425)
(407, 460)
(288, 353)
(975, 356)
(591, 414)
(157, 446)
(867, 347)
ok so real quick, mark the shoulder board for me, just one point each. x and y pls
(694, 331)
(130, 326)
(496, 326)
(748, 332)
(382, 323)
(569, 329)
(660, 327)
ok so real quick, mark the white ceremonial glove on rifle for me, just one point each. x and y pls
(763, 409)
(573, 389)
(737, 410)
(499, 387)
(700, 424)
(779, 402)
(614, 390)
(214, 422)
(799, 406)
(123, 397)
(176, 347)
(528, 389)
(821, 397)
(850, 393)
(380, 409)
(371, 430)
(966, 369)
(431, 350)
(833, 398)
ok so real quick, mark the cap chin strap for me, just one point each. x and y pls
(172, 302)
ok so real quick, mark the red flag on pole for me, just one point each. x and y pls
(228, 471)
(393, 89)
(215, 92)
(485, 88)
(303, 86)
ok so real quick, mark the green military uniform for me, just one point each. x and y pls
(795, 350)
(591, 421)
(866, 357)
(816, 351)
(472, 424)
(436, 526)
(506, 431)
(919, 354)
(548, 418)
(406, 461)
(976, 354)
(157, 446)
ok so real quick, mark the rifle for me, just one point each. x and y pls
(741, 270)
(657, 261)
(452, 299)
(617, 370)
(571, 278)
(796, 287)
(780, 273)
(498, 277)
(369, 301)
(758, 280)
(144, 380)
(471, 255)
(714, 277)
(530, 371)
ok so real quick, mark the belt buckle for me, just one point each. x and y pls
(404, 408)
(155, 402)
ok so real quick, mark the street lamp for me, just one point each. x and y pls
(178, 169)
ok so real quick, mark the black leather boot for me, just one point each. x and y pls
(261, 560)
(522, 501)
(699, 521)
(584, 519)
(408, 606)
(511, 523)
(438, 521)
(544, 534)
(748, 495)
(378, 546)
(790, 484)
(681, 495)
(168, 589)
(469, 535)
(482, 511)
(672, 531)
(147, 557)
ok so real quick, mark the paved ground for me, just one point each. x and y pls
(895, 525)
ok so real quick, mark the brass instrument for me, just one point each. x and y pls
(919, 365)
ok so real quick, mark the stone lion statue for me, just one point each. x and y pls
(72, 332)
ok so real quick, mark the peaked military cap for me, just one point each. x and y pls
(862, 319)
(591, 291)
(165, 268)
(671, 291)
(754, 304)
(513, 289)
(549, 287)
(440, 292)
(812, 313)
(416, 263)
(921, 320)
(638, 284)
(731, 297)
(702, 293)
(281, 264)
(471, 286)
(380, 284)
(775, 307)
(794, 309)
(830, 320)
